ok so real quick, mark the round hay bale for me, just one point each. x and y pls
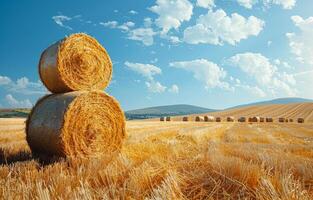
(185, 119)
(300, 120)
(168, 119)
(269, 119)
(162, 119)
(199, 119)
(281, 120)
(218, 119)
(242, 119)
(80, 123)
(230, 119)
(209, 118)
(262, 119)
(290, 120)
(77, 62)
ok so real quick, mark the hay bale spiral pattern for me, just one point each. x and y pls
(77, 62)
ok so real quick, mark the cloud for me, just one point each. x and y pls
(146, 70)
(172, 13)
(22, 86)
(17, 104)
(216, 28)
(301, 44)
(115, 25)
(133, 12)
(286, 4)
(147, 22)
(4, 80)
(247, 3)
(265, 74)
(60, 19)
(145, 35)
(174, 89)
(205, 71)
(205, 3)
(155, 87)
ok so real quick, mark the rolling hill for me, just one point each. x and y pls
(159, 111)
(289, 110)
(276, 101)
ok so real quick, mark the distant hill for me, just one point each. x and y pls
(171, 110)
(13, 113)
(276, 101)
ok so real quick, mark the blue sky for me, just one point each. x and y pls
(209, 53)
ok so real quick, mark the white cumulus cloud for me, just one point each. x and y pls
(144, 35)
(205, 71)
(16, 103)
(172, 13)
(301, 43)
(146, 70)
(174, 89)
(205, 3)
(217, 27)
(285, 4)
(265, 74)
(155, 87)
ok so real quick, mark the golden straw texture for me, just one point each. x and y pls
(77, 62)
(83, 124)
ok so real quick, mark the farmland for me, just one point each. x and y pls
(170, 160)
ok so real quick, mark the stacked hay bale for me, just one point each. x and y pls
(79, 119)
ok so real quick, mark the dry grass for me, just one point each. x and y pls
(176, 160)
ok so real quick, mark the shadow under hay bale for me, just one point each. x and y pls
(77, 62)
(82, 124)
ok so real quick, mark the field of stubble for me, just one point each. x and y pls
(169, 160)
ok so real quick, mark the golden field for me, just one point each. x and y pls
(169, 160)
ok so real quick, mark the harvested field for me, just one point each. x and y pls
(175, 160)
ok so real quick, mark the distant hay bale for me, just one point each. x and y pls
(254, 119)
(185, 119)
(83, 124)
(281, 120)
(168, 119)
(199, 119)
(209, 118)
(162, 119)
(269, 119)
(290, 120)
(218, 119)
(242, 119)
(262, 119)
(287, 120)
(230, 119)
(77, 62)
(300, 120)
